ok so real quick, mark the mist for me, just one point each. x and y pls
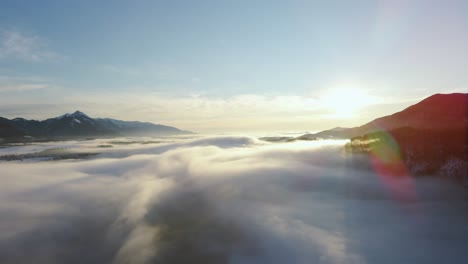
(223, 200)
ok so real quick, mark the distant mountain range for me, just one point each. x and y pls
(79, 125)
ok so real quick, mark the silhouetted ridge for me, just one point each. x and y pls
(431, 136)
(439, 111)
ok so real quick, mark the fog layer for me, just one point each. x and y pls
(224, 200)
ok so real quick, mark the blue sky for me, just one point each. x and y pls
(228, 65)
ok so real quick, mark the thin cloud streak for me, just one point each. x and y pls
(201, 113)
(16, 45)
(22, 87)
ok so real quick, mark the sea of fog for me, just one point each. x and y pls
(229, 199)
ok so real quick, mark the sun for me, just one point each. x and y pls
(345, 102)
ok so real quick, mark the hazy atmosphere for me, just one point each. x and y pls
(240, 132)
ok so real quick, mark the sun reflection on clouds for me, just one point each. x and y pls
(224, 198)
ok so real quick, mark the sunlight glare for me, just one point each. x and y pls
(344, 102)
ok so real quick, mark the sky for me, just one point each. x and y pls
(230, 66)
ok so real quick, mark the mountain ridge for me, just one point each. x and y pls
(438, 111)
(77, 125)
(427, 138)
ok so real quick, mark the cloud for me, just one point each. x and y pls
(197, 113)
(16, 84)
(22, 87)
(14, 44)
(222, 200)
(204, 113)
(243, 113)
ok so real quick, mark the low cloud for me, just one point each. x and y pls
(223, 200)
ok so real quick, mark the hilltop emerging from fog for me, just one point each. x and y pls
(430, 137)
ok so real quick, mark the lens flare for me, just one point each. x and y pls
(388, 163)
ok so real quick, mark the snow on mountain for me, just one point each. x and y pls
(76, 114)
(78, 124)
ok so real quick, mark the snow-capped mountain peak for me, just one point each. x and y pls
(78, 124)
(76, 114)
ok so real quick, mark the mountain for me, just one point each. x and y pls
(8, 129)
(437, 112)
(428, 138)
(77, 125)
(337, 132)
